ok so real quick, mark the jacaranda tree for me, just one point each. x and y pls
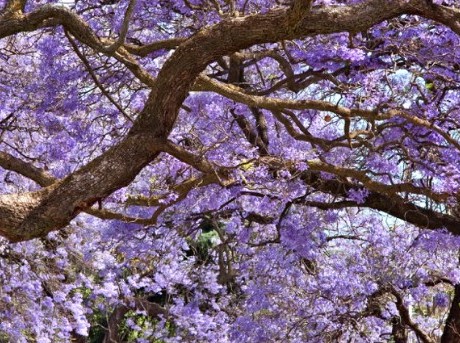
(230, 171)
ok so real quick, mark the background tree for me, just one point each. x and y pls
(247, 171)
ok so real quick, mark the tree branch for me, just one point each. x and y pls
(393, 205)
(9, 162)
(407, 320)
(29, 215)
(124, 28)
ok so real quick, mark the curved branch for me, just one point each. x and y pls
(29, 215)
(393, 205)
(206, 84)
(9, 162)
(124, 28)
(407, 320)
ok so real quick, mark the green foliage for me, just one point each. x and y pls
(97, 331)
(203, 244)
(144, 328)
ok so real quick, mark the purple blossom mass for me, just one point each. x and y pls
(230, 171)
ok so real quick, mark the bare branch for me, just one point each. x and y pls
(95, 79)
(9, 162)
(124, 28)
(393, 205)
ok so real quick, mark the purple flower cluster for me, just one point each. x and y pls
(307, 191)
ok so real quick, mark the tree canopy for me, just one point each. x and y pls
(230, 171)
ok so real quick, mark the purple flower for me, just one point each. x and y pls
(358, 195)
(441, 300)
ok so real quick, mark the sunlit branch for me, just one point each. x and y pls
(14, 7)
(124, 28)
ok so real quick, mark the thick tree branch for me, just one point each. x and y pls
(393, 205)
(144, 50)
(375, 186)
(30, 215)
